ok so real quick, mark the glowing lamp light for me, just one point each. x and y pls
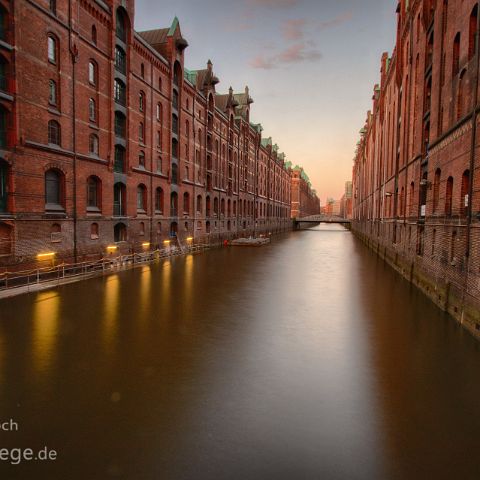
(145, 244)
(190, 239)
(45, 256)
(166, 242)
(112, 248)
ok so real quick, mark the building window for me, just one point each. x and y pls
(93, 193)
(121, 27)
(53, 6)
(3, 24)
(119, 199)
(92, 73)
(186, 203)
(54, 134)
(175, 124)
(119, 164)
(159, 164)
(460, 95)
(141, 132)
(159, 139)
(436, 188)
(120, 125)
(142, 70)
(52, 92)
(472, 33)
(120, 232)
(141, 101)
(175, 100)
(52, 49)
(159, 112)
(174, 204)
(464, 199)
(141, 198)
(92, 110)
(199, 204)
(94, 34)
(174, 148)
(4, 170)
(120, 92)
(141, 159)
(159, 200)
(174, 173)
(448, 197)
(94, 231)
(456, 55)
(93, 144)
(120, 59)
(53, 190)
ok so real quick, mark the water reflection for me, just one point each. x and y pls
(304, 359)
(45, 327)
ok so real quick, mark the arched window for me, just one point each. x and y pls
(119, 163)
(120, 232)
(141, 229)
(456, 55)
(120, 59)
(159, 200)
(208, 206)
(472, 32)
(235, 208)
(120, 125)
(436, 188)
(174, 148)
(160, 83)
(93, 193)
(207, 226)
(93, 144)
(186, 203)
(3, 24)
(94, 34)
(141, 159)
(199, 205)
(460, 95)
(464, 200)
(92, 110)
(175, 100)
(141, 101)
(174, 204)
(142, 70)
(174, 173)
(121, 27)
(54, 133)
(448, 196)
(119, 92)
(141, 197)
(175, 124)
(173, 229)
(53, 6)
(52, 49)
(94, 235)
(141, 132)
(4, 171)
(119, 199)
(159, 139)
(52, 92)
(177, 74)
(92, 73)
(159, 164)
(53, 190)
(159, 112)
(222, 206)
(412, 198)
(4, 70)
(215, 206)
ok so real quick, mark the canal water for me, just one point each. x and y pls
(305, 359)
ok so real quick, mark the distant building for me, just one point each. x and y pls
(346, 201)
(304, 199)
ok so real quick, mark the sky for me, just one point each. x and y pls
(310, 66)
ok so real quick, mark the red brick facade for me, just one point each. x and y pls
(416, 170)
(304, 200)
(105, 137)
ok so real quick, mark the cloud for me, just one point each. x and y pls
(294, 29)
(297, 53)
(273, 3)
(338, 20)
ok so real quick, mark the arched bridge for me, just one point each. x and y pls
(322, 219)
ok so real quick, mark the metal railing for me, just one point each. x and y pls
(58, 273)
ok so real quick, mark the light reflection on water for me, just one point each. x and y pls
(304, 359)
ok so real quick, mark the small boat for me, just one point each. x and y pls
(250, 242)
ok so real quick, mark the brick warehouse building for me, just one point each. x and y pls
(416, 169)
(304, 199)
(106, 137)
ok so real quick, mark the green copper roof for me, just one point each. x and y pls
(173, 27)
(266, 141)
(190, 75)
